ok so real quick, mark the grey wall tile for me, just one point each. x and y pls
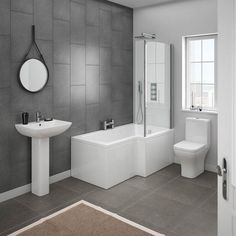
(5, 4)
(105, 56)
(5, 66)
(61, 52)
(60, 143)
(77, 64)
(61, 113)
(20, 35)
(43, 18)
(105, 5)
(92, 121)
(78, 119)
(117, 18)
(61, 9)
(61, 42)
(22, 6)
(78, 29)
(5, 100)
(61, 31)
(105, 102)
(46, 48)
(128, 74)
(105, 74)
(22, 146)
(92, 12)
(105, 38)
(92, 84)
(118, 91)
(5, 168)
(117, 57)
(77, 96)
(78, 108)
(21, 100)
(92, 46)
(4, 21)
(20, 173)
(105, 65)
(117, 74)
(60, 162)
(43, 102)
(79, 1)
(61, 85)
(117, 39)
(75, 38)
(128, 57)
(105, 20)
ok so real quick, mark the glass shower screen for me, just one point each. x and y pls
(152, 85)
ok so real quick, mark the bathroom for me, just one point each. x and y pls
(116, 125)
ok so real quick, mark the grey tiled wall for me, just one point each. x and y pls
(87, 45)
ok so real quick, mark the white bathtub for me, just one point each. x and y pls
(106, 158)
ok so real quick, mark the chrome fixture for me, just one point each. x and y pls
(108, 124)
(140, 107)
(146, 36)
(193, 108)
(38, 116)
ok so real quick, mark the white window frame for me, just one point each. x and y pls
(185, 40)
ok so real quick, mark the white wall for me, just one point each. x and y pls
(170, 22)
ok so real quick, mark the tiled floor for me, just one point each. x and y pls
(165, 202)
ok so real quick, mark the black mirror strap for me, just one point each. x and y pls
(34, 44)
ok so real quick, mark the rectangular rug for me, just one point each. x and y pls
(85, 219)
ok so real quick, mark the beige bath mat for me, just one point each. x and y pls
(84, 219)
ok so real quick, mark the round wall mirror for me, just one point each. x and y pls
(33, 75)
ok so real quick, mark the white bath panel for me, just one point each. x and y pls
(107, 158)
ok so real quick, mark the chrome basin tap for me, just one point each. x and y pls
(38, 116)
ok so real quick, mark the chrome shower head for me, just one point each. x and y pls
(146, 36)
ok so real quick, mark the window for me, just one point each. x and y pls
(199, 73)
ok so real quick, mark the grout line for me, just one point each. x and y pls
(22, 12)
(207, 199)
(148, 194)
(14, 228)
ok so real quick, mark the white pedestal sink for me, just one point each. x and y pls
(40, 134)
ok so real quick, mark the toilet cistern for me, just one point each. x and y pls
(192, 151)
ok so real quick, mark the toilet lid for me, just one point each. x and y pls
(189, 146)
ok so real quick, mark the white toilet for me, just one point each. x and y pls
(192, 151)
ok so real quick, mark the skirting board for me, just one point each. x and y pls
(208, 167)
(26, 188)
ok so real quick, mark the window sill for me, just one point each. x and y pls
(201, 112)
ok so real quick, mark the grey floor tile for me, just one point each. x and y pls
(78, 186)
(13, 213)
(206, 179)
(185, 192)
(116, 198)
(58, 196)
(20, 226)
(149, 183)
(172, 170)
(163, 202)
(158, 212)
(198, 223)
(210, 205)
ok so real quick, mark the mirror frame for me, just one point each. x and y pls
(19, 79)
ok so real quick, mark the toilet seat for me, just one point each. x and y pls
(187, 146)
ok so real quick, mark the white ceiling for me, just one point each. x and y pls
(141, 3)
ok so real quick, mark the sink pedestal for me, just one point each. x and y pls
(40, 132)
(40, 166)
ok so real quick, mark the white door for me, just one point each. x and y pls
(226, 120)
